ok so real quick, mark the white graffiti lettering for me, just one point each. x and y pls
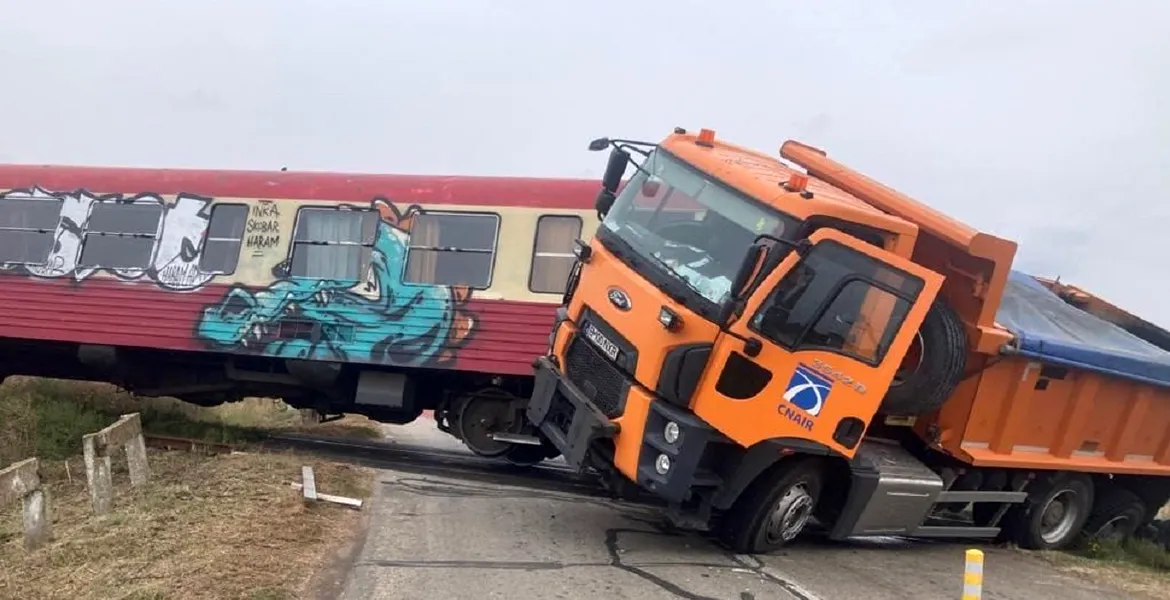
(175, 256)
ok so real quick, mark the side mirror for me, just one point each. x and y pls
(614, 170)
(599, 144)
(603, 202)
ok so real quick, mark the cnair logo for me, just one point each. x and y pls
(808, 390)
(618, 298)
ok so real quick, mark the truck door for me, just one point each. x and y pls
(831, 325)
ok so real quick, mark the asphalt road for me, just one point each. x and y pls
(447, 536)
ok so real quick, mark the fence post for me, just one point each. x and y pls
(23, 480)
(973, 575)
(97, 447)
(97, 475)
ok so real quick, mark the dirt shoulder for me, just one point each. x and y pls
(224, 526)
(1137, 567)
(221, 526)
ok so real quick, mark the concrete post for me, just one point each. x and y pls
(96, 447)
(23, 480)
(98, 475)
(136, 459)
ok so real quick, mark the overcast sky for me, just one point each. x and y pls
(1045, 122)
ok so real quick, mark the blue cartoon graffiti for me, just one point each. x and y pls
(379, 319)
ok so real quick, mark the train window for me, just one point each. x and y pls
(221, 249)
(120, 235)
(552, 254)
(330, 243)
(452, 249)
(28, 226)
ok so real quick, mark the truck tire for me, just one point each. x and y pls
(1116, 515)
(775, 507)
(933, 367)
(1052, 517)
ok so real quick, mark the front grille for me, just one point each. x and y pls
(596, 376)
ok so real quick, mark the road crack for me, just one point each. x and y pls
(612, 541)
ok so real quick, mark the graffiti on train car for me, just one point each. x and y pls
(262, 229)
(379, 319)
(175, 236)
(372, 317)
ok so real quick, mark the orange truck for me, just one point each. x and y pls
(763, 346)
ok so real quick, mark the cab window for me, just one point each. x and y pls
(838, 300)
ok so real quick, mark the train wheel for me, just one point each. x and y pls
(484, 413)
(775, 508)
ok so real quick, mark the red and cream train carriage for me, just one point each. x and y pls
(377, 294)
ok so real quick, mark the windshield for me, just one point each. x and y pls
(694, 227)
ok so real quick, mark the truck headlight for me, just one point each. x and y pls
(671, 432)
(662, 464)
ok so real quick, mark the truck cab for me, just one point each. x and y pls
(729, 313)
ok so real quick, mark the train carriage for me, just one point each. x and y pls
(384, 295)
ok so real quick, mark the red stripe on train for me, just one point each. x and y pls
(506, 337)
(562, 194)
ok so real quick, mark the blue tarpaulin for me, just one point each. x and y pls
(1052, 331)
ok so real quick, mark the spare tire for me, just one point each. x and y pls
(933, 366)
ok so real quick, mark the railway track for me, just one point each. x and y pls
(419, 460)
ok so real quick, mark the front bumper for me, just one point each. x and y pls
(564, 415)
(572, 423)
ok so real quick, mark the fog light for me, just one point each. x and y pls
(671, 432)
(662, 464)
(668, 318)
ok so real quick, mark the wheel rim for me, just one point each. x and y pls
(1059, 516)
(1113, 530)
(483, 414)
(790, 514)
(912, 362)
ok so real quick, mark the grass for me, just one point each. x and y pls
(225, 526)
(1136, 566)
(46, 418)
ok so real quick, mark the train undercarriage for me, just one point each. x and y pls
(484, 411)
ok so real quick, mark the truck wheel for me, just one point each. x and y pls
(775, 507)
(1116, 515)
(933, 366)
(1052, 517)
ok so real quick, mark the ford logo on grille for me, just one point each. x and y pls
(618, 298)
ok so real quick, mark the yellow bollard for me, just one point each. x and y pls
(973, 575)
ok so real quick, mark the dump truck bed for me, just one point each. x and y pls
(1051, 330)
(1071, 391)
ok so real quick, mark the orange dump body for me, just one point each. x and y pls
(1018, 413)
